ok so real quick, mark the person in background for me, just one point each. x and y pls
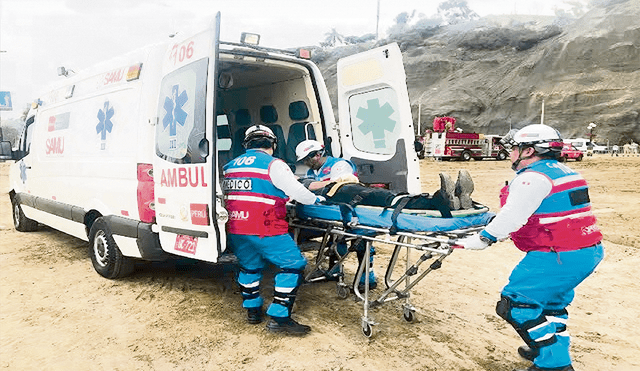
(547, 212)
(257, 186)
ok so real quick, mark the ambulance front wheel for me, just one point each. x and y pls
(106, 257)
(20, 221)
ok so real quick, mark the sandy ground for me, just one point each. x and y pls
(57, 313)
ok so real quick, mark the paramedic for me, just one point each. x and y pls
(324, 170)
(257, 187)
(547, 212)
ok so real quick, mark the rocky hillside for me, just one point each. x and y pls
(495, 72)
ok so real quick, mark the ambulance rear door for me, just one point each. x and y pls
(376, 127)
(187, 197)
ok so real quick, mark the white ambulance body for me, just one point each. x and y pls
(123, 155)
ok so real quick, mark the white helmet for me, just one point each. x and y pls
(257, 132)
(541, 137)
(307, 147)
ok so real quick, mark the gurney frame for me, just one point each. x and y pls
(436, 245)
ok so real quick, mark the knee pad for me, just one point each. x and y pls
(286, 296)
(249, 286)
(504, 309)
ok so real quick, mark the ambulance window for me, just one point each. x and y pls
(28, 135)
(223, 133)
(181, 112)
(375, 121)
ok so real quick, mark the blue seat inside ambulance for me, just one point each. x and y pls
(242, 123)
(300, 130)
(269, 117)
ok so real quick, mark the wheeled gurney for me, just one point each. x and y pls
(422, 230)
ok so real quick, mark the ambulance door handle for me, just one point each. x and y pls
(203, 147)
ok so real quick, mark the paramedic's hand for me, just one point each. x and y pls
(320, 199)
(472, 242)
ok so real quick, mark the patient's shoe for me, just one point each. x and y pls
(463, 189)
(447, 190)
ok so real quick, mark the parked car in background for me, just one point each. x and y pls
(569, 151)
(598, 148)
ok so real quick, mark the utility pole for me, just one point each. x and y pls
(377, 19)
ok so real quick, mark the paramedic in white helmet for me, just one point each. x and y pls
(547, 213)
(323, 170)
(257, 186)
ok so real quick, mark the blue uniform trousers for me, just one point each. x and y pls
(253, 253)
(540, 288)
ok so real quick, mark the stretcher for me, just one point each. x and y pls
(408, 231)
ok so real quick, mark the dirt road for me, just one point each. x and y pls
(57, 313)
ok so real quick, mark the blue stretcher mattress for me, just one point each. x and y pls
(406, 221)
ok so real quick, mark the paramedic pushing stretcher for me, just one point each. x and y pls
(547, 211)
(324, 170)
(257, 187)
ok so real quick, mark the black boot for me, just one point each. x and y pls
(255, 315)
(288, 326)
(535, 368)
(528, 353)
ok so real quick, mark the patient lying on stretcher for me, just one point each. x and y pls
(336, 179)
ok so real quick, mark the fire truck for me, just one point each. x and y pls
(447, 142)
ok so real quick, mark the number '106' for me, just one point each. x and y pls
(182, 52)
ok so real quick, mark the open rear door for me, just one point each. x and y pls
(185, 176)
(376, 128)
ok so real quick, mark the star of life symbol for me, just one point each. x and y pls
(375, 120)
(104, 123)
(175, 114)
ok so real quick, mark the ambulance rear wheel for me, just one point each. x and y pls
(502, 155)
(20, 221)
(106, 257)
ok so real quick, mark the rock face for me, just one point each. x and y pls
(494, 73)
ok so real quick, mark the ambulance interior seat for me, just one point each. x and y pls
(300, 130)
(269, 117)
(242, 123)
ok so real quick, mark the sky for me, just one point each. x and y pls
(38, 36)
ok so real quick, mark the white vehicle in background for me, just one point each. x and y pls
(127, 155)
(586, 146)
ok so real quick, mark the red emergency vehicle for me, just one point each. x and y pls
(445, 142)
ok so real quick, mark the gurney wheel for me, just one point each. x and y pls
(409, 315)
(343, 291)
(367, 330)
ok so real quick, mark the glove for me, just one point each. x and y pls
(320, 199)
(472, 242)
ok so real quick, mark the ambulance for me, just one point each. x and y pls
(128, 155)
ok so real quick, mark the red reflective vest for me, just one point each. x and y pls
(563, 221)
(256, 207)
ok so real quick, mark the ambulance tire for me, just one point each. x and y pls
(106, 257)
(20, 221)
(502, 155)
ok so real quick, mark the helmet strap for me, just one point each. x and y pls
(516, 163)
